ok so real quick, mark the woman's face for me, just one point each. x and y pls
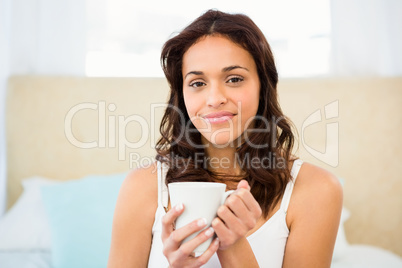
(221, 89)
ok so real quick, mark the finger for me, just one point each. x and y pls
(177, 237)
(231, 221)
(236, 205)
(225, 236)
(204, 258)
(188, 247)
(168, 220)
(249, 201)
(243, 184)
(241, 198)
(243, 190)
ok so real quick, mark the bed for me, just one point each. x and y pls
(63, 184)
(60, 224)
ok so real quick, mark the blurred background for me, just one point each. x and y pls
(312, 40)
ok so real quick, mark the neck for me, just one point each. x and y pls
(223, 160)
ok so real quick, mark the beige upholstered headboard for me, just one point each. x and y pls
(67, 127)
(59, 127)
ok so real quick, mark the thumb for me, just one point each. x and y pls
(243, 184)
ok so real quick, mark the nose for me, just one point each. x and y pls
(216, 96)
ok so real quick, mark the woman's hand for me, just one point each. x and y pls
(237, 216)
(181, 255)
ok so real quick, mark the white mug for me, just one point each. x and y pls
(200, 200)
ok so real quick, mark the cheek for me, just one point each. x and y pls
(193, 105)
(189, 103)
(249, 104)
(248, 109)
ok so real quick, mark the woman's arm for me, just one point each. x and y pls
(133, 219)
(313, 217)
(239, 255)
(235, 219)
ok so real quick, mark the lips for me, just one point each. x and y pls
(218, 117)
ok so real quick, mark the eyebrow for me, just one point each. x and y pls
(229, 68)
(224, 70)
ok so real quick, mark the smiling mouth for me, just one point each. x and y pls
(218, 117)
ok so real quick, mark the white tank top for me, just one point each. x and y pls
(268, 242)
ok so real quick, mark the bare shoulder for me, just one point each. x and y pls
(314, 178)
(133, 218)
(143, 179)
(313, 218)
(315, 189)
(139, 187)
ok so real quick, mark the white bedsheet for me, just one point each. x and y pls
(25, 259)
(364, 256)
(356, 256)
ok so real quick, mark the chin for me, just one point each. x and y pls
(221, 140)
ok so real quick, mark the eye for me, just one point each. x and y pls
(197, 84)
(236, 79)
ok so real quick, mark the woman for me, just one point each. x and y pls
(224, 124)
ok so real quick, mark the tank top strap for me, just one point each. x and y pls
(163, 195)
(289, 187)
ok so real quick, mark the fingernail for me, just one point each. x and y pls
(216, 241)
(202, 222)
(209, 232)
(179, 207)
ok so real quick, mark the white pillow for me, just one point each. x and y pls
(25, 225)
(341, 244)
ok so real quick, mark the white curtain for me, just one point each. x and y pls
(4, 71)
(366, 37)
(44, 37)
(48, 37)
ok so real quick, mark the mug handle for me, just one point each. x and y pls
(226, 195)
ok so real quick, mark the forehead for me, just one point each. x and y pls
(216, 52)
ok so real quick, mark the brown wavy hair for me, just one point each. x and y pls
(178, 145)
